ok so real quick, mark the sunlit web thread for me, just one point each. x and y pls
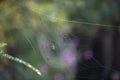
(10, 12)
(27, 39)
(22, 30)
(20, 61)
(2, 53)
(101, 65)
(84, 23)
(71, 21)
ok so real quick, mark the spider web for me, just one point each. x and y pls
(81, 22)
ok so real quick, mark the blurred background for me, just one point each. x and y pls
(64, 39)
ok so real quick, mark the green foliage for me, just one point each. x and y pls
(22, 22)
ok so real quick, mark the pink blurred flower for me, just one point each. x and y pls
(58, 76)
(69, 57)
(88, 54)
(75, 43)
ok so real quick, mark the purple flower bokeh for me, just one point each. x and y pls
(75, 43)
(88, 54)
(58, 76)
(44, 69)
(115, 75)
(69, 57)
